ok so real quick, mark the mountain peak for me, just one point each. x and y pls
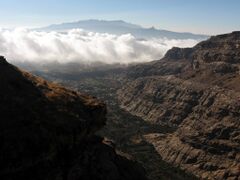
(3, 60)
(220, 48)
(120, 27)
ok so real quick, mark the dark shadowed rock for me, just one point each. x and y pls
(178, 53)
(47, 133)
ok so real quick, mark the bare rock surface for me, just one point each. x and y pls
(196, 91)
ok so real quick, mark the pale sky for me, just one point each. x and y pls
(197, 16)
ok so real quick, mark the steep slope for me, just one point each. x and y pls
(48, 132)
(196, 91)
(126, 130)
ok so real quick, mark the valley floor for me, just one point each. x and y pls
(127, 131)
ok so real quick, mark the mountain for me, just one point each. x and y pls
(186, 105)
(123, 128)
(47, 132)
(195, 91)
(120, 27)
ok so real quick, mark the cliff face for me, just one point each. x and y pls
(47, 132)
(196, 91)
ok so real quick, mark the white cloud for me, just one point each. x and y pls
(79, 46)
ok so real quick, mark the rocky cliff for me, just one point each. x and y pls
(196, 92)
(48, 132)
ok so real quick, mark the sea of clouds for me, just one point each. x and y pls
(79, 46)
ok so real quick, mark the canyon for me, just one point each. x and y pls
(196, 90)
(179, 116)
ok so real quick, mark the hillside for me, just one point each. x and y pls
(186, 105)
(48, 132)
(196, 91)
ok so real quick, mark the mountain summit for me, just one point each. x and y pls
(120, 27)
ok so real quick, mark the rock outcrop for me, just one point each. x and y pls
(47, 132)
(196, 91)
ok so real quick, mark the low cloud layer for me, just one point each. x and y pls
(79, 46)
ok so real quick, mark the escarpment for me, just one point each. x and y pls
(196, 91)
(48, 132)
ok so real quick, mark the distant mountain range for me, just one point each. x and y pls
(119, 27)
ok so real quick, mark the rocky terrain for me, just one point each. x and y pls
(176, 116)
(195, 91)
(124, 129)
(49, 132)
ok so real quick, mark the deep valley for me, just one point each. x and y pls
(181, 112)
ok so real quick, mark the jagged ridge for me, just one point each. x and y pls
(48, 132)
(196, 91)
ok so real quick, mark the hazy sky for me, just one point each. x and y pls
(199, 16)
